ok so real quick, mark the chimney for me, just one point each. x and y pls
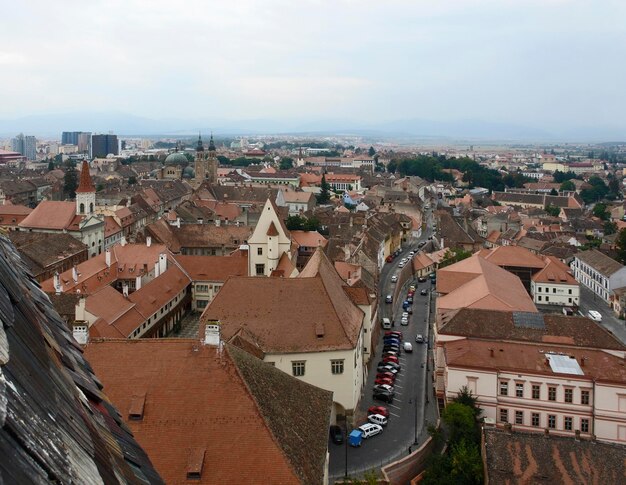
(508, 427)
(546, 433)
(212, 334)
(148, 241)
(177, 222)
(156, 269)
(125, 290)
(123, 241)
(57, 283)
(577, 435)
(162, 263)
(79, 312)
(217, 222)
(75, 274)
(107, 257)
(138, 283)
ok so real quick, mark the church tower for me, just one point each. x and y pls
(200, 168)
(211, 173)
(85, 193)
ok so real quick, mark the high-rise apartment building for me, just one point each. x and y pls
(26, 145)
(79, 138)
(103, 145)
(84, 141)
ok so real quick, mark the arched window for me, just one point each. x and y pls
(91, 207)
(82, 208)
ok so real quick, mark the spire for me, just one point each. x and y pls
(200, 146)
(211, 144)
(85, 184)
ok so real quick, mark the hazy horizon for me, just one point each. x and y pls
(538, 68)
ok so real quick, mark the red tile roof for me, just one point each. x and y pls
(214, 268)
(512, 256)
(50, 214)
(555, 272)
(85, 184)
(223, 413)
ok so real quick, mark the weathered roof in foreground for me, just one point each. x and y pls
(56, 425)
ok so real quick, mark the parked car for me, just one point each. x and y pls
(391, 365)
(408, 347)
(401, 264)
(390, 348)
(424, 292)
(377, 419)
(410, 299)
(411, 254)
(385, 367)
(419, 339)
(336, 434)
(394, 333)
(405, 305)
(412, 288)
(382, 410)
(388, 374)
(421, 279)
(389, 299)
(383, 387)
(409, 310)
(391, 340)
(391, 358)
(594, 315)
(394, 278)
(385, 396)
(404, 321)
(421, 244)
(370, 429)
(389, 258)
(383, 380)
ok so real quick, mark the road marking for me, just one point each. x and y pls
(391, 405)
(396, 385)
(396, 415)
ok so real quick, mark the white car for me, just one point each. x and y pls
(404, 321)
(407, 347)
(405, 315)
(394, 278)
(370, 429)
(419, 339)
(594, 315)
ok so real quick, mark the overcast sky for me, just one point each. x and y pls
(544, 63)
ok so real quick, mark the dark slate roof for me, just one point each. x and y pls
(602, 263)
(56, 425)
(532, 458)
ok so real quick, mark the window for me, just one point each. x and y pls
(535, 419)
(536, 391)
(336, 366)
(519, 417)
(551, 393)
(547, 298)
(519, 389)
(553, 290)
(584, 425)
(201, 303)
(504, 415)
(504, 388)
(584, 397)
(570, 291)
(260, 269)
(539, 289)
(202, 288)
(539, 297)
(297, 368)
(567, 423)
(552, 421)
(569, 395)
(259, 251)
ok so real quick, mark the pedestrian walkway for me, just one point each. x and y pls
(188, 326)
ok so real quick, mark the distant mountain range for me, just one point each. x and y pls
(51, 125)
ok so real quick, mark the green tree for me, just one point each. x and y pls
(371, 152)
(553, 210)
(466, 463)
(286, 163)
(460, 421)
(610, 227)
(554, 192)
(614, 188)
(50, 165)
(560, 177)
(568, 185)
(132, 180)
(295, 223)
(311, 224)
(620, 243)
(324, 195)
(70, 180)
(600, 210)
(392, 166)
(465, 396)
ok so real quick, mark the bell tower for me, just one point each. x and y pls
(212, 162)
(200, 162)
(85, 193)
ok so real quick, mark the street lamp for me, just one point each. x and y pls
(346, 447)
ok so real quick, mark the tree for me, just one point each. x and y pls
(295, 223)
(620, 243)
(371, 152)
(392, 166)
(553, 210)
(568, 185)
(560, 177)
(286, 163)
(132, 180)
(70, 180)
(553, 192)
(460, 421)
(465, 396)
(614, 188)
(610, 227)
(466, 463)
(601, 211)
(50, 165)
(324, 195)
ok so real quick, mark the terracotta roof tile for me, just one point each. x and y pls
(85, 183)
(246, 415)
(51, 215)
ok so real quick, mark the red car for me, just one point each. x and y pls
(386, 375)
(394, 333)
(389, 259)
(384, 380)
(391, 358)
(382, 410)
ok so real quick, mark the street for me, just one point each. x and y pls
(410, 410)
(590, 301)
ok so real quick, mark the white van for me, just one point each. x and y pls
(377, 419)
(370, 429)
(594, 315)
(386, 323)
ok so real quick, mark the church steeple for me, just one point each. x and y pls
(85, 184)
(200, 146)
(211, 144)
(85, 193)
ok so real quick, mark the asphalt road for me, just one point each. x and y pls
(407, 413)
(590, 301)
